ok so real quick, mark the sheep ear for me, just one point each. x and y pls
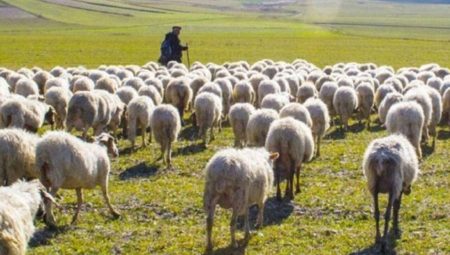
(274, 155)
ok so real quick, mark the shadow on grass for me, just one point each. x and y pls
(377, 249)
(427, 150)
(336, 134)
(188, 133)
(141, 170)
(45, 235)
(189, 149)
(376, 128)
(443, 135)
(240, 250)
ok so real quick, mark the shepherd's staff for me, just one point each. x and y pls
(187, 54)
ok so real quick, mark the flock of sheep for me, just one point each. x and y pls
(278, 112)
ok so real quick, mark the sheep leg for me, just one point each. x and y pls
(297, 188)
(397, 203)
(260, 217)
(318, 146)
(143, 130)
(376, 216)
(277, 179)
(49, 217)
(209, 225)
(368, 122)
(233, 221)
(387, 217)
(212, 133)
(246, 226)
(291, 185)
(149, 135)
(114, 213)
(79, 203)
(169, 155)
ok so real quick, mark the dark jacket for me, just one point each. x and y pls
(176, 47)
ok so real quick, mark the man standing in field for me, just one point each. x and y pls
(171, 49)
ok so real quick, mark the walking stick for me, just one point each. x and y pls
(187, 54)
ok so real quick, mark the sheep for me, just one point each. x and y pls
(26, 87)
(179, 94)
(56, 82)
(298, 112)
(152, 93)
(446, 106)
(196, 84)
(243, 93)
(258, 126)
(154, 82)
(24, 113)
(306, 91)
(407, 118)
(165, 124)
(445, 86)
(67, 162)
(4, 88)
(421, 96)
(20, 203)
(41, 78)
(139, 111)
(267, 87)
(436, 113)
(293, 141)
(389, 100)
(237, 179)
(17, 155)
(320, 120)
(227, 91)
(326, 94)
(365, 102)
(345, 101)
(275, 101)
(208, 113)
(239, 116)
(381, 92)
(126, 94)
(134, 82)
(108, 84)
(83, 84)
(94, 109)
(12, 80)
(211, 87)
(390, 166)
(58, 98)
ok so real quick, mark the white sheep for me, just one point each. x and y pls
(381, 92)
(320, 119)
(407, 118)
(267, 87)
(390, 166)
(365, 101)
(4, 88)
(306, 91)
(243, 93)
(237, 179)
(298, 112)
(41, 78)
(154, 82)
(258, 126)
(388, 101)
(152, 93)
(17, 155)
(107, 83)
(436, 113)
(67, 162)
(126, 94)
(276, 101)
(326, 94)
(56, 82)
(25, 113)
(421, 96)
(83, 84)
(208, 113)
(345, 101)
(165, 124)
(227, 92)
(293, 141)
(239, 116)
(179, 94)
(134, 82)
(26, 87)
(20, 203)
(446, 106)
(59, 98)
(139, 111)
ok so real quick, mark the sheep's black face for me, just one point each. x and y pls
(50, 116)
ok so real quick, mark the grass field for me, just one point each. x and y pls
(162, 209)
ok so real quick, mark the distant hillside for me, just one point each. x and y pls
(420, 1)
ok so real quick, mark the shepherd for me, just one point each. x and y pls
(171, 49)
